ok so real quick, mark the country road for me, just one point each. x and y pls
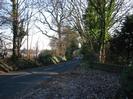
(14, 83)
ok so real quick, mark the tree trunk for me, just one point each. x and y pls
(15, 28)
(102, 53)
(102, 56)
(61, 51)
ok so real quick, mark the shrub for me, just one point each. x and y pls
(4, 67)
(88, 55)
(127, 81)
(46, 58)
(24, 64)
(61, 59)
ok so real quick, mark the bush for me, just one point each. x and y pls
(127, 81)
(46, 58)
(61, 59)
(55, 59)
(88, 55)
(24, 64)
(4, 67)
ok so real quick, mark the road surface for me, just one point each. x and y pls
(14, 83)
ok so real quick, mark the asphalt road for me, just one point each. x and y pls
(14, 83)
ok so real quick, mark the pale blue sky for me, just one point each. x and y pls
(43, 41)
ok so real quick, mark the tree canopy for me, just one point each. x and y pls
(122, 42)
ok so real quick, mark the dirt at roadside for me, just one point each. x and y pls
(77, 84)
(2, 72)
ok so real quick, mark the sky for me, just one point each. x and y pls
(43, 41)
(37, 39)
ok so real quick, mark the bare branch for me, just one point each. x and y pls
(46, 33)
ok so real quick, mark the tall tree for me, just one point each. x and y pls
(122, 42)
(21, 15)
(100, 16)
(15, 24)
(16, 15)
(69, 42)
(76, 21)
(53, 15)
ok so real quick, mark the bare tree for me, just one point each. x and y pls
(5, 42)
(16, 14)
(54, 16)
(76, 21)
